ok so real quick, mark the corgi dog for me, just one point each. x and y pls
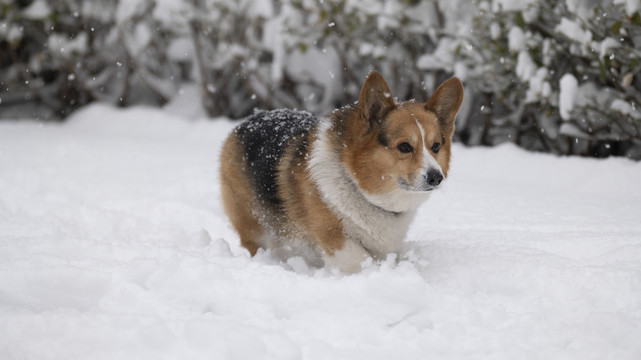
(344, 187)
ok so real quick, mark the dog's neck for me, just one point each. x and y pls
(342, 195)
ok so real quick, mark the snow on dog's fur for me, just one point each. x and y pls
(343, 187)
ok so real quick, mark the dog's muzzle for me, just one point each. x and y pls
(433, 178)
(427, 182)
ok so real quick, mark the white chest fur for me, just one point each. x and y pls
(379, 231)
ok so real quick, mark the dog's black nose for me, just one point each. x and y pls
(434, 177)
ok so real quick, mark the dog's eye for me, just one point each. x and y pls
(436, 147)
(405, 148)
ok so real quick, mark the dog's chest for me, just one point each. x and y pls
(380, 232)
(379, 235)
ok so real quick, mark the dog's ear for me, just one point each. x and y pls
(375, 100)
(446, 102)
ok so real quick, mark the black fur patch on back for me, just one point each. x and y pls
(265, 135)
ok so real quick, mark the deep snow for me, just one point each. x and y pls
(113, 245)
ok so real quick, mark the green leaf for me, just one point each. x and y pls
(616, 28)
(636, 19)
(323, 15)
(6, 7)
(634, 63)
(602, 72)
(457, 51)
(520, 22)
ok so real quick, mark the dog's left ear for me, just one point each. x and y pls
(375, 100)
(446, 102)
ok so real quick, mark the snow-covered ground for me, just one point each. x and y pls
(114, 245)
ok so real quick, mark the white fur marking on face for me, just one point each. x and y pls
(428, 160)
(420, 128)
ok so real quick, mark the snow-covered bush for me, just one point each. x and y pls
(308, 54)
(512, 55)
(61, 54)
(559, 76)
(355, 37)
(550, 75)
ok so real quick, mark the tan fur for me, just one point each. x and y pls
(237, 195)
(304, 204)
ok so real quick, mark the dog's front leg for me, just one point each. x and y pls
(349, 258)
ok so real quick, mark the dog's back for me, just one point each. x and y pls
(252, 156)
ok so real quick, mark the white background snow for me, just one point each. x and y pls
(114, 245)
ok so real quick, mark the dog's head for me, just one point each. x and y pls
(398, 153)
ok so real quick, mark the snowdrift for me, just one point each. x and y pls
(114, 245)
